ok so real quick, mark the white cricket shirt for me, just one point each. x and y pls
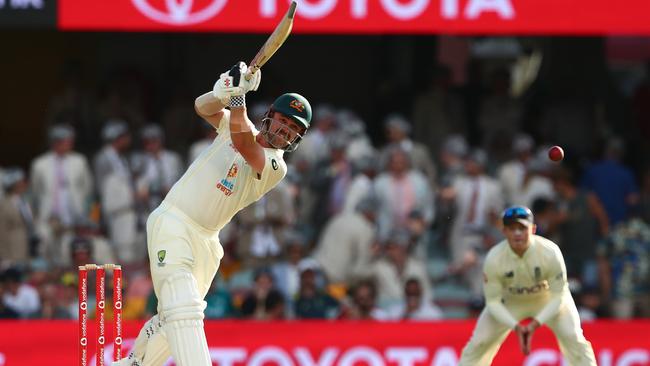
(219, 183)
(538, 277)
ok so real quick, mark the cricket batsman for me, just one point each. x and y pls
(525, 277)
(238, 168)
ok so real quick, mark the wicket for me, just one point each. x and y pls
(100, 294)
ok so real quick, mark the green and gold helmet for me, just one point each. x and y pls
(297, 108)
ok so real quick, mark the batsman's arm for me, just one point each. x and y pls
(493, 291)
(210, 108)
(241, 134)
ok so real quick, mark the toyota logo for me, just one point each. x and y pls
(179, 12)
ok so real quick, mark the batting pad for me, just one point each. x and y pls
(182, 314)
(150, 347)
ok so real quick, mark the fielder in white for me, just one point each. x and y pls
(525, 277)
(238, 168)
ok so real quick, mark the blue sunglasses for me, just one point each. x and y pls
(515, 213)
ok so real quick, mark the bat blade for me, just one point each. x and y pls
(274, 42)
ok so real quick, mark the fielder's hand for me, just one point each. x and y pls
(233, 83)
(530, 329)
(523, 337)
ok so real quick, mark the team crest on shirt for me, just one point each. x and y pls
(161, 258)
(226, 185)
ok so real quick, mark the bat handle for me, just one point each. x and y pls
(249, 74)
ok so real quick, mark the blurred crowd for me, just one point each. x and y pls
(358, 229)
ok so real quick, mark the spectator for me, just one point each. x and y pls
(312, 302)
(116, 190)
(16, 222)
(359, 145)
(316, 144)
(161, 168)
(612, 182)
(254, 304)
(345, 248)
(519, 177)
(5, 312)
(624, 263)
(546, 218)
(263, 225)
(392, 272)
(275, 307)
(452, 157)
(589, 302)
(397, 134)
(331, 180)
(363, 307)
(286, 272)
(415, 306)
(19, 296)
(62, 188)
(88, 231)
(400, 190)
(582, 221)
(136, 289)
(362, 182)
(478, 201)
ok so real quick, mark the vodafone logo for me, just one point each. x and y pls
(179, 12)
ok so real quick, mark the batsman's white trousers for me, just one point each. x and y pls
(185, 244)
(489, 334)
(182, 253)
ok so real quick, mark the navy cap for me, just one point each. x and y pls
(520, 214)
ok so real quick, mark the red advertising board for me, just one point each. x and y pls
(363, 16)
(233, 343)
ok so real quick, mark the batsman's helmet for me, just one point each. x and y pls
(294, 106)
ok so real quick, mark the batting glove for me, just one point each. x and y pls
(233, 83)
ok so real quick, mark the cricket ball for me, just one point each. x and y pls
(556, 153)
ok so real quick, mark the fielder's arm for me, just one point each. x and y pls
(210, 108)
(493, 291)
(557, 282)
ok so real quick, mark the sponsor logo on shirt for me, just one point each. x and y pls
(541, 286)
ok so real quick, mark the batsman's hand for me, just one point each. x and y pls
(233, 82)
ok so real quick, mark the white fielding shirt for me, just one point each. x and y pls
(219, 183)
(538, 277)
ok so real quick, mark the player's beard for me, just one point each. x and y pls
(277, 139)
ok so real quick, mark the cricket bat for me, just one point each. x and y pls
(273, 43)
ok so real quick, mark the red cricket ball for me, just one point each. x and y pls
(556, 153)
